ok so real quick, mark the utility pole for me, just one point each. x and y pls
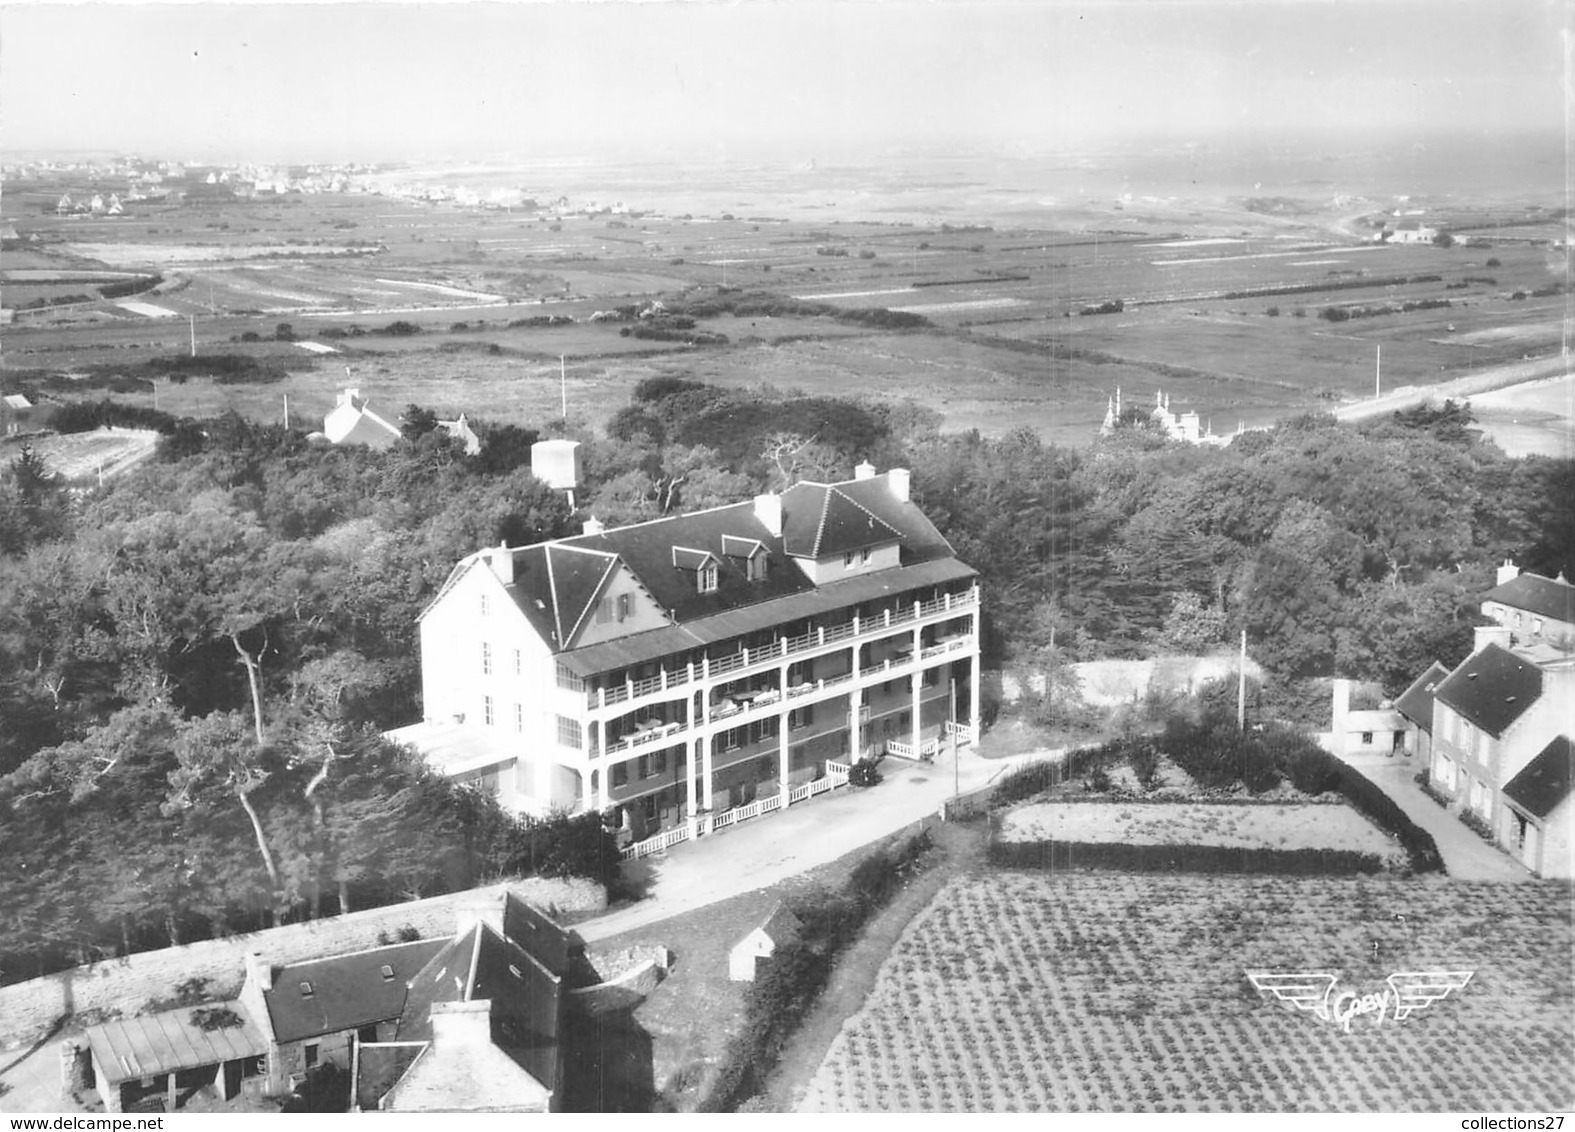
(1241, 686)
(193, 335)
(286, 410)
(563, 387)
(1378, 371)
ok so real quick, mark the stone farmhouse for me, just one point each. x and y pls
(1533, 607)
(678, 670)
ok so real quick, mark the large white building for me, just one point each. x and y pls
(678, 669)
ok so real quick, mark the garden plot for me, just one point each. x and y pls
(81, 456)
(1244, 826)
(1119, 992)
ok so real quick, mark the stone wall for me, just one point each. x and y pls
(122, 987)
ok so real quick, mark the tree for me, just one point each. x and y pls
(417, 422)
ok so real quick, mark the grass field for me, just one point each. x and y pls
(1009, 346)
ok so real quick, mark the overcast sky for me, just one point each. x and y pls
(762, 77)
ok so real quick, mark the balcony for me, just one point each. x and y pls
(746, 660)
(645, 736)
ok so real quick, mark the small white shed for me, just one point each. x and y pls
(779, 927)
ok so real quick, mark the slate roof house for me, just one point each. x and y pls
(1534, 608)
(1415, 706)
(681, 670)
(1501, 724)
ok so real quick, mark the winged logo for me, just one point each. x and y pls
(1313, 991)
(1299, 990)
(1417, 990)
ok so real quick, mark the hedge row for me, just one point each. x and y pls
(1179, 858)
(786, 987)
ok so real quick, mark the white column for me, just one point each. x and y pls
(855, 707)
(975, 686)
(706, 776)
(692, 752)
(917, 687)
(782, 739)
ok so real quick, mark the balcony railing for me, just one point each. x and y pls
(783, 646)
(836, 775)
(643, 738)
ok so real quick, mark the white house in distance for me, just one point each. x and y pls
(678, 669)
(351, 422)
(1380, 730)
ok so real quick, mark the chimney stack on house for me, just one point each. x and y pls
(768, 509)
(259, 971)
(1508, 572)
(865, 471)
(501, 559)
(594, 526)
(1340, 710)
(899, 480)
(1485, 635)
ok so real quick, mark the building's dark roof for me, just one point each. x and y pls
(556, 583)
(820, 520)
(1416, 702)
(554, 947)
(526, 998)
(1546, 597)
(780, 925)
(347, 991)
(1491, 688)
(640, 648)
(378, 1068)
(1544, 782)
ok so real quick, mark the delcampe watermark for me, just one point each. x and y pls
(1313, 991)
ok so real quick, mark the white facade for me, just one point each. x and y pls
(671, 719)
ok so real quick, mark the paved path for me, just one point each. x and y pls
(1466, 856)
(1459, 388)
(767, 849)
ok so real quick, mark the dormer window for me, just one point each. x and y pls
(756, 566)
(706, 578)
(306, 990)
(387, 972)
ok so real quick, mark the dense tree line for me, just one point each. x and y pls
(197, 658)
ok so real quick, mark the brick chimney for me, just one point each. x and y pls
(502, 563)
(1485, 635)
(1508, 572)
(768, 509)
(865, 471)
(462, 1023)
(898, 479)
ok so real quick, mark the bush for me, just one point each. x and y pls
(1477, 824)
(864, 773)
(1144, 761)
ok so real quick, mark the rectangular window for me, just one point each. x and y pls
(486, 710)
(1367, 738)
(620, 774)
(847, 561)
(310, 1050)
(864, 558)
(707, 576)
(604, 612)
(659, 763)
(731, 739)
(801, 717)
(519, 663)
(483, 605)
(757, 567)
(625, 606)
(570, 734)
(519, 718)
(567, 679)
(486, 659)
(1536, 627)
